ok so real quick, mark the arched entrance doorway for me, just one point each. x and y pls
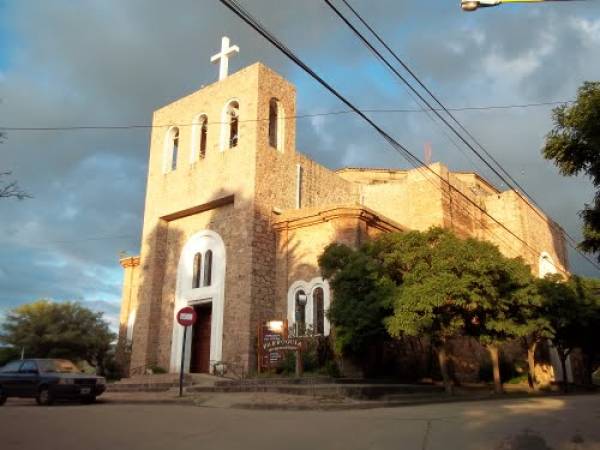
(200, 284)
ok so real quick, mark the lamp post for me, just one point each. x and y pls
(473, 5)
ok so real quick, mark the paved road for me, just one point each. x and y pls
(557, 423)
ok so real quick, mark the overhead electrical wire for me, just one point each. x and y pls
(255, 24)
(530, 201)
(300, 116)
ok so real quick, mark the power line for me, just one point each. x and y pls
(573, 242)
(75, 241)
(505, 174)
(300, 116)
(252, 22)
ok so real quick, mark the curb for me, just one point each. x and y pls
(364, 405)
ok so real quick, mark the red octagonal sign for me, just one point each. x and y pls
(186, 316)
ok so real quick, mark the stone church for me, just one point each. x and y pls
(235, 219)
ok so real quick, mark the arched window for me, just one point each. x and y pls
(233, 117)
(199, 137)
(174, 147)
(171, 150)
(203, 137)
(197, 270)
(300, 312)
(208, 261)
(547, 266)
(319, 310)
(275, 131)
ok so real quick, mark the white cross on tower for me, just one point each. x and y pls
(226, 52)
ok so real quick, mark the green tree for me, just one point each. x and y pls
(564, 312)
(507, 305)
(449, 286)
(572, 308)
(431, 298)
(58, 330)
(588, 294)
(574, 146)
(361, 299)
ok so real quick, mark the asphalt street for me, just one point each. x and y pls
(555, 423)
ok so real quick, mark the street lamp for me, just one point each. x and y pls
(472, 5)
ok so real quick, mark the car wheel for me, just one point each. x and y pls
(44, 397)
(2, 397)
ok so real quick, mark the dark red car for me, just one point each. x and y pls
(48, 380)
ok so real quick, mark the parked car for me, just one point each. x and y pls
(48, 380)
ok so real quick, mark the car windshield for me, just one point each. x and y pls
(58, 366)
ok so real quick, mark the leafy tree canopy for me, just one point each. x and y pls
(574, 146)
(57, 330)
(573, 310)
(362, 295)
(451, 286)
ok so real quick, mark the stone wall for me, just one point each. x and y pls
(303, 235)
(419, 199)
(195, 182)
(129, 299)
(270, 243)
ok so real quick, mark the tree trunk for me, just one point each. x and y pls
(531, 363)
(443, 360)
(494, 355)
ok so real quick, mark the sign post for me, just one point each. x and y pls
(186, 317)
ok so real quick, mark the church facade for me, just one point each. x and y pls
(235, 219)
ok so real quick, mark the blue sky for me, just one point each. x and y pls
(113, 62)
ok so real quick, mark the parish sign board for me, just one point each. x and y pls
(273, 342)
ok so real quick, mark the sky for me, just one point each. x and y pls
(113, 62)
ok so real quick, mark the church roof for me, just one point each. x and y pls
(295, 218)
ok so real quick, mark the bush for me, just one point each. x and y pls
(331, 369)
(519, 379)
(156, 370)
(317, 357)
(288, 365)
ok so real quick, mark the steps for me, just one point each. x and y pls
(160, 382)
(358, 391)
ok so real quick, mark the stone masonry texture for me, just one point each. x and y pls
(270, 242)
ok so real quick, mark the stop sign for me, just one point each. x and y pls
(186, 316)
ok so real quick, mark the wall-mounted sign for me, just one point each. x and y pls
(273, 342)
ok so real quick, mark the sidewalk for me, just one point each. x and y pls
(271, 401)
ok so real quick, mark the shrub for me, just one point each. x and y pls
(156, 370)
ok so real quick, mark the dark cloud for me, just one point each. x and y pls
(114, 62)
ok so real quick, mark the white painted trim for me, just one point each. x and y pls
(546, 265)
(168, 149)
(308, 287)
(195, 150)
(130, 325)
(299, 173)
(186, 296)
(280, 127)
(224, 139)
(280, 144)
